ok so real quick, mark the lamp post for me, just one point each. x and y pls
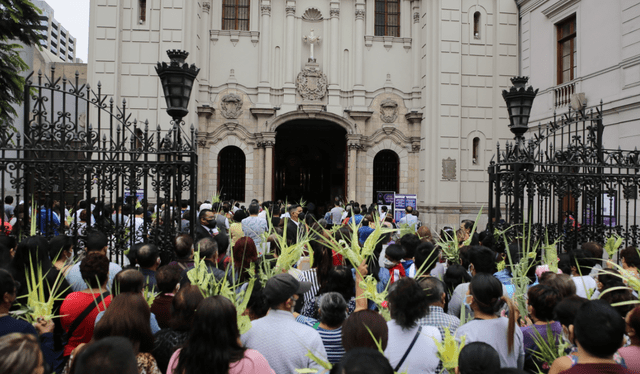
(177, 79)
(519, 102)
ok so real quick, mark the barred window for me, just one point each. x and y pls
(385, 172)
(235, 15)
(142, 11)
(231, 173)
(387, 18)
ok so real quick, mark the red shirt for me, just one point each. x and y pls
(597, 369)
(72, 306)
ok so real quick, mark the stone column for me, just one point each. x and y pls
(291, 13)
(203, 60)
(265, 55)
(359, 98)
(353, 144)
(289, 100)
(268, 169)
(417, 58)
(334, 53)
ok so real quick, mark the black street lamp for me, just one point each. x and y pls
(177, 79)
(519, 102)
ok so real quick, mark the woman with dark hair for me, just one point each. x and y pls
(333, 311)
(541, 301)
(318, 274)
(362, 327)
(340, 280)
(96, 298)
(612, 289)
(478, 358)
(482, 260)
(183, 308)
(363, 360)
(214, 344)
(486, 298)
(128, 316)
(411, 346)
(455, 276)
(34, 249)
(630, 260)
(244, 254)
(61, 250)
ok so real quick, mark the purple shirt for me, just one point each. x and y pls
(528, 335)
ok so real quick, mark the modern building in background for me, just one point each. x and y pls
(57, 39)
(578, 53)
(302, 99)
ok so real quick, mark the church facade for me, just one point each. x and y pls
(306, 100)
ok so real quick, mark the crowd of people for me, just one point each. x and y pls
(145, 313)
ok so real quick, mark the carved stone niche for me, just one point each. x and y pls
(388, 110)
(231, 106)
(312, 14)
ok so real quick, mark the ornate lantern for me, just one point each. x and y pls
(177, 79)
(519, 102)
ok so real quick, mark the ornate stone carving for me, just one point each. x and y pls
(416, 17)
(311, 83)
(265, 10)
(291, 10)
(448, 169)
(356, 146)
(388, 111)
(312, 39)
(334, 13)
(415, 147)
(206, 7)
(360, 13)
(202, 143)
(231, 106)
(268, 143)
(312, 14)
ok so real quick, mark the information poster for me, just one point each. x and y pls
(400, 202)
(385, 199)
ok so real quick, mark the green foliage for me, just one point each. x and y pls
(19, 22)
(38, 305)
(547, 350)
(449, 350)
(612, 244)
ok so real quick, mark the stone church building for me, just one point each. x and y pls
(301, 99)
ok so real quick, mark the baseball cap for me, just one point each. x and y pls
(282, 286)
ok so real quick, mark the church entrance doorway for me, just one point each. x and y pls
(310, 161)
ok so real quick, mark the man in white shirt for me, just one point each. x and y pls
(409, 219)
(336, 213)
(281, 340)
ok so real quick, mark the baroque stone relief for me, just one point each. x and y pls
(312, 14)
(388, 110)
(311, 83)
(231, 106)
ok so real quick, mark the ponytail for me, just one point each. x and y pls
(512, 321)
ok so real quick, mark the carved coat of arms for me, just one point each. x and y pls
(231, 106)
(388, 111)
(311, 83)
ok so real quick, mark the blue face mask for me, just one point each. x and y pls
(466, 304)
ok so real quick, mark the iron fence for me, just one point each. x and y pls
(564, 184)
(78, 151)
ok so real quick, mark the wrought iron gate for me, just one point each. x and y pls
(563, 182)
(78, 149)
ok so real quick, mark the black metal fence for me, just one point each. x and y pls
(565, 184)
(78, 151)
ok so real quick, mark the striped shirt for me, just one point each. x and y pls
(332, 339)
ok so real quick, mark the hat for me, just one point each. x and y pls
(282, 286)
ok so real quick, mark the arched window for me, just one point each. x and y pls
(476, 150)
(231, 173)
(386, 165)
(476, 25)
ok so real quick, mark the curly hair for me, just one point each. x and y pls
(407, 302)
(94, 269)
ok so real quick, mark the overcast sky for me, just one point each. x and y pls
(74, 16)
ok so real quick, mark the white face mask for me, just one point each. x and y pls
(388, 263)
